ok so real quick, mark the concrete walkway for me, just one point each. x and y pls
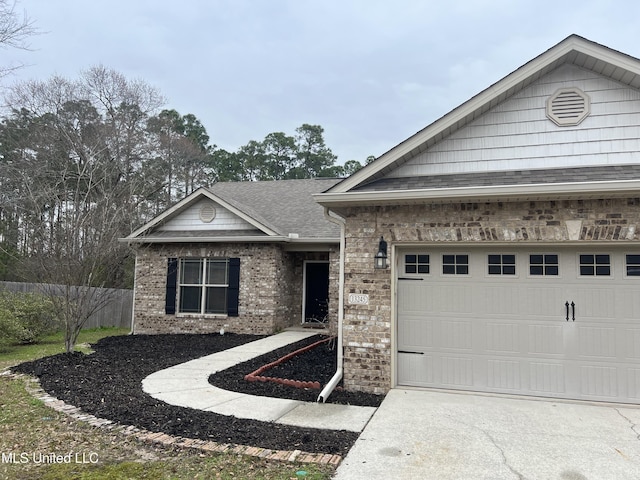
(187, 385)
(446, 436)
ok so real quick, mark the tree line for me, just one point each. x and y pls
(86, 161)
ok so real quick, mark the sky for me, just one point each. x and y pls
(371, 73)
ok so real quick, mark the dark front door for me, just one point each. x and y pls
(316, 292)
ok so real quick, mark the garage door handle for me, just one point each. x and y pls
(415, 353)
(573, 311)
(567, 306)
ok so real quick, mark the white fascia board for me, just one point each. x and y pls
(484, 97)
(503, 192)
(237, 239)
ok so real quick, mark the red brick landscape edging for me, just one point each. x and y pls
(33, 387)
(256, 376)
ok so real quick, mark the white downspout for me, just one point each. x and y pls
(331, 385)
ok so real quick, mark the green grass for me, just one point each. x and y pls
(28, 425)
(53, 344)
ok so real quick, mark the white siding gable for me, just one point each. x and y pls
(518, 135)
(189, 220)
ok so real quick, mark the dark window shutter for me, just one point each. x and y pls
(233, 290)
(172, 280)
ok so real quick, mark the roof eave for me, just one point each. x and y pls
(583, 190)
(238, 239)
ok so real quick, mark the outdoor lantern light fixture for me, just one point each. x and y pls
(380, 260)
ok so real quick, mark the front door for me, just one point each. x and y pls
(316, 292)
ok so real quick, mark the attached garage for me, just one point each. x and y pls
(511, 230)
(555, 321)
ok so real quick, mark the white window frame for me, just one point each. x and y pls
(417, 263)
(203, 285)
(544, 265)
(595, 275)
(455, 265)
(502, 265)
(626, 265)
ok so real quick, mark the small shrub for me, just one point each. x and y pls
(26, 317)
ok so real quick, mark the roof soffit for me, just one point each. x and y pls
(574, 49)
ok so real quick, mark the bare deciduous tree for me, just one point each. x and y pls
(15, 29)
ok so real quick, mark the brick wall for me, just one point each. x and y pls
(367, 328)
(265, 302)
(270, 297)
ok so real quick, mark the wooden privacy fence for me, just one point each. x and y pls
(116, 313)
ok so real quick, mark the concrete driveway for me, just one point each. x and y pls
(447, 436)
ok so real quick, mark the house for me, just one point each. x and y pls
(249, 257)
(513, 232)
(509, 230)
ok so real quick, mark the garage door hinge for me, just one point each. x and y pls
(410, 278)
(415, 353)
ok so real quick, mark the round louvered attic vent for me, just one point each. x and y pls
(568, 106)
(207, 212)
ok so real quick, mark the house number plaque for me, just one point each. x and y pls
(358, 299)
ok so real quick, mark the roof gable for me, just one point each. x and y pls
(573, 50)
(246, 211)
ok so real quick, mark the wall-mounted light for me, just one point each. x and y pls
(380, 260)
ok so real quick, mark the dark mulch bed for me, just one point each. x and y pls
(318, 364)
(107, 384)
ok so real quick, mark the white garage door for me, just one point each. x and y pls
(555, 322)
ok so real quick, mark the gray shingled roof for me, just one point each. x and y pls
(285, 206)
(515, 177)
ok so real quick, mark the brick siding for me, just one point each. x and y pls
(270, 297)
(368, 328)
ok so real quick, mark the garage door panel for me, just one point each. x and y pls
(452, 299)
(547, 302)
(632, 338)
(456, 371)
(547, 378)
(633, 382)
(502, 337)
(503, 300)
(598, 381)
(546, 339)
(415, 332)
(415, 370)
(509, 333)
(504, 374)
(596, 342)
(456, 335)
